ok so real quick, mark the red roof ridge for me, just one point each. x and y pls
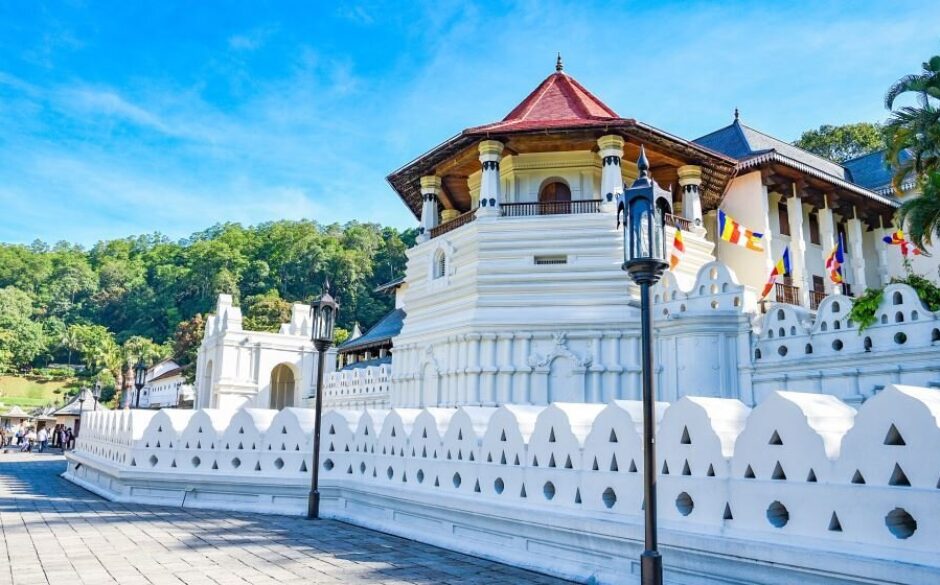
(559, 100)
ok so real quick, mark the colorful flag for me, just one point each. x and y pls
(678, 250)
(897, 239)
(781, 268)
(732, 231)
(834, 263)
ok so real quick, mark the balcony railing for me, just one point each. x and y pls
(816, 297)
(679, 222)
(550, 208)
(460, 220)
(785, 293)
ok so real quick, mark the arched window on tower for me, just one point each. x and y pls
(440, 264)
(554, 198)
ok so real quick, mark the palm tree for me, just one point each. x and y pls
(921, 214)
(913, 132)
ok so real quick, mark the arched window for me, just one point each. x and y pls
(440, 264)
(555, 197)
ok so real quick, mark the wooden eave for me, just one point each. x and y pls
(820, 189)
(457, 158)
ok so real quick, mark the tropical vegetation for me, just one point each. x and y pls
(913, 136)
(106, 306)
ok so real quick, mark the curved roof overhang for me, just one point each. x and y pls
(663, 149)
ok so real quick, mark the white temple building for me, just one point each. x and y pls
(495, 410)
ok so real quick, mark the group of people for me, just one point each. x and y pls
(28, 438)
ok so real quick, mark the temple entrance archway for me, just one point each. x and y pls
(282, 387)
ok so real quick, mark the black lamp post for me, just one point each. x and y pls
(645, 206)
(140, 379)
(323, 320)
(81, 410)
(96, 392)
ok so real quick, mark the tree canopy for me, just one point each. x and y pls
(841, 143)
(106, 305)
(914, 149)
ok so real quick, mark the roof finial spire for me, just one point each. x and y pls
(559, 65)
(737, 114)
(642, 164)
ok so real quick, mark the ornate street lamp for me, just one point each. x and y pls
(81, 410)
(645, 205)
(140, 379)
(323, 320)
(96, 392)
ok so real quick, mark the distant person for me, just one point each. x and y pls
(42, 437)
(3, 437)
(29, 437)
(19, 436)
(69, 438)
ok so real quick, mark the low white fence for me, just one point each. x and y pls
(802, 482)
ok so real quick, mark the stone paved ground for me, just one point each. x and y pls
(54, 532)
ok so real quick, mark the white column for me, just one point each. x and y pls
(611, 151)
(827, 237)
(884, 271)
(490, 154)
(855, 233)
(798, 247)
(690, 179)
(430, 188)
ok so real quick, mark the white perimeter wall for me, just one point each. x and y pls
(803, 488)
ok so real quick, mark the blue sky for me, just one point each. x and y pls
(120, 118)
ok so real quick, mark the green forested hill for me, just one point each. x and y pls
(105, 305)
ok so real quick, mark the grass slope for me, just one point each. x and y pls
(28, 393)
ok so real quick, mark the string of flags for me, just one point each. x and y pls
(735, 233)
(907, 248)
(781, 268)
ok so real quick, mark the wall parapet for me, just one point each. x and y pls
(798, 470)
(368, 387)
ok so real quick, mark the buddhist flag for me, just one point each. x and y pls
(678, 250)
(781, 268)
(834, 263)
(897, 239)
(732, 231)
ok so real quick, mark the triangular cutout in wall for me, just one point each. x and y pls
(898, 477)
(834, 524)
(894, 437)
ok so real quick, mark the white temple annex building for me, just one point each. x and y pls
(495, 410)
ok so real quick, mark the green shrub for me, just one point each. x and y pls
(865, 306)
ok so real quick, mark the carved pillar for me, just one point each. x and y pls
(612, 366)
(596, 369)
(690, 180)
(798, 247)
(855, 245)
(611, 151)
(490, 154)
(473, 369)
(430, 189)
(488, 369)
(884, 271)
(521, 385)
(827, 238)
(504, 368)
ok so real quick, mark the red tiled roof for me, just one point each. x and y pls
(557, 102)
